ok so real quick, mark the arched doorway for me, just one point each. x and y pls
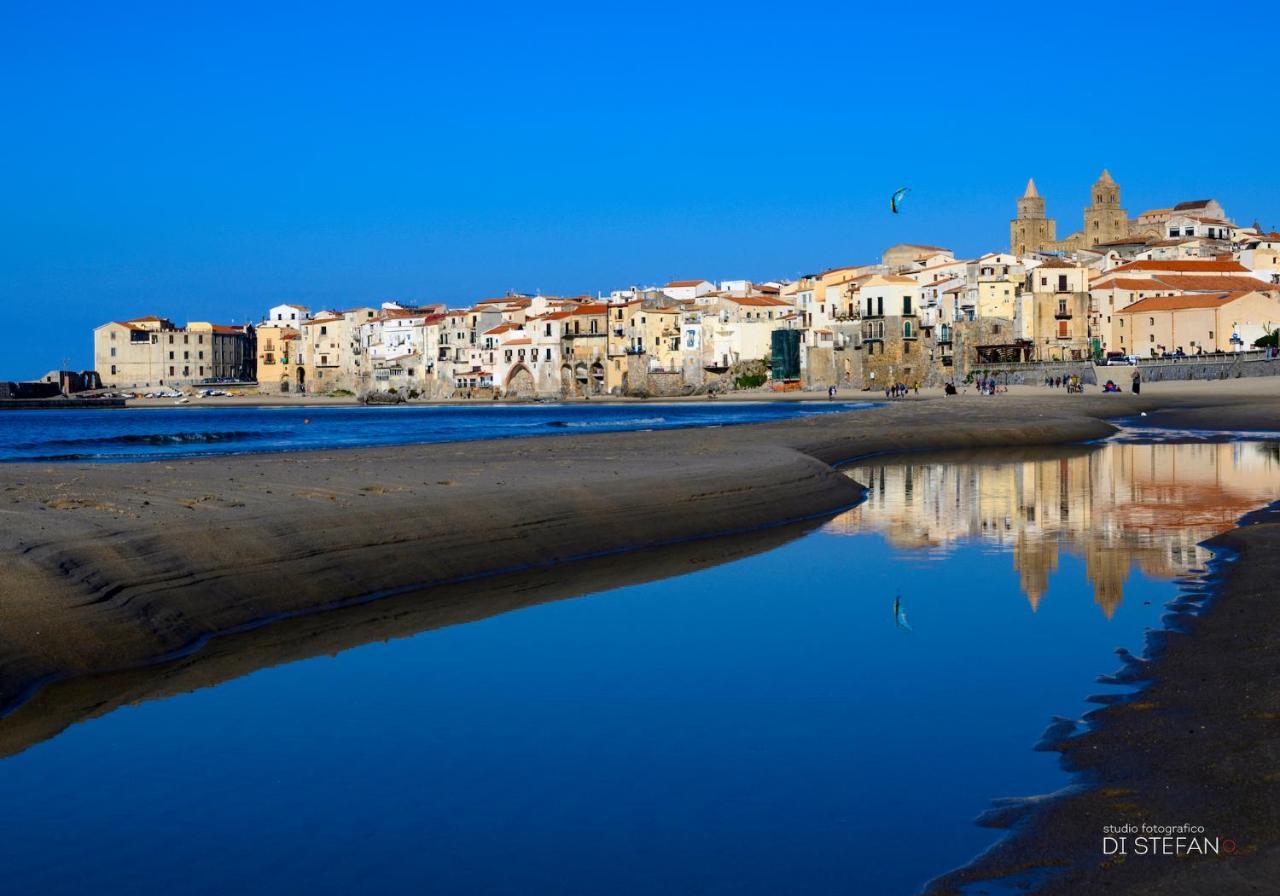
(566, 380)
(520, 382)
(597, 378)
(302, 379)
(284, 382)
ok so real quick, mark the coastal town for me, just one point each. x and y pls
(1178, 282)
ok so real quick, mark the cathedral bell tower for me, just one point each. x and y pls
(1031, 230)
(1104, 219)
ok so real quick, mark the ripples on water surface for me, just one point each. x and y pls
(764, 726)
(152, 433)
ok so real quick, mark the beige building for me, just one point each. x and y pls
(331, 355)
(1222, 322)
(1060, 301)
(148, 352)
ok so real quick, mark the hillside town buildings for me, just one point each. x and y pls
(1178, 279)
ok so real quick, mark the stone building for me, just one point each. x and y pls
(153, 351)
(1032, 229)
(1104, 220)
(1108, 225)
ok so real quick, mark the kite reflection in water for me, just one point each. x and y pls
(900, 615)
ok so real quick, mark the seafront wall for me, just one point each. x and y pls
(1193, 369)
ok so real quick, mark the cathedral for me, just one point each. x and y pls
(1104, 221)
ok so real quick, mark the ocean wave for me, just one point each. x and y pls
(157, 438)
(630, 421)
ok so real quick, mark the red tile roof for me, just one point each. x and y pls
(1178, 303)
(1184, 266)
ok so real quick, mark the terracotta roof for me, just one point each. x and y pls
(759, 301)
(1204, 283)
(1194, 203)
(1126, 241)
(686, 283)
(1178, 303)
(501, 328)
(1129, 283)
(591, 309)
(1058, 263)
(521, 341)
(1185, 266)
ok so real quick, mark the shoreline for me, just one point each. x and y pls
(1192, 742)
(136, 561)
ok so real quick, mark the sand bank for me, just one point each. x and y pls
(111, 569)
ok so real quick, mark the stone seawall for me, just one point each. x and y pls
(1192, 369)
(1035, 374)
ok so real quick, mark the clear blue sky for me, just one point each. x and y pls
(205, 163)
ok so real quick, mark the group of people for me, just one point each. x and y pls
(898, 390)
(1070, 383)
(989, 386)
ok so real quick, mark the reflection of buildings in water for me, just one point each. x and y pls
(1116, 506)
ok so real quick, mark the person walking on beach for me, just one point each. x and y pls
(1136, 385)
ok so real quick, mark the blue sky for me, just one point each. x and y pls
(205, 162)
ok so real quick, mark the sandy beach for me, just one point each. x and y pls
(127, 581)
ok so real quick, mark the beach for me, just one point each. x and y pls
(115, 568)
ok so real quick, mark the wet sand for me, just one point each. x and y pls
(111, 568)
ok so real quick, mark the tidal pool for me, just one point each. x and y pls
(771, 724)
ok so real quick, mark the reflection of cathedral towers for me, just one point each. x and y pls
(1034, 560)
(1106, 568)
(1114, 507)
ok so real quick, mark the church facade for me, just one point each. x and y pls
(1200, 226)
(1104, 221)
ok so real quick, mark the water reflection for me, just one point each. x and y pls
(1115, 506)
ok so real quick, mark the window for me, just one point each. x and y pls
(906, 304)
(906, 329)
(1152, 321)
(324, 331)
(113, 370)
(113, 349)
